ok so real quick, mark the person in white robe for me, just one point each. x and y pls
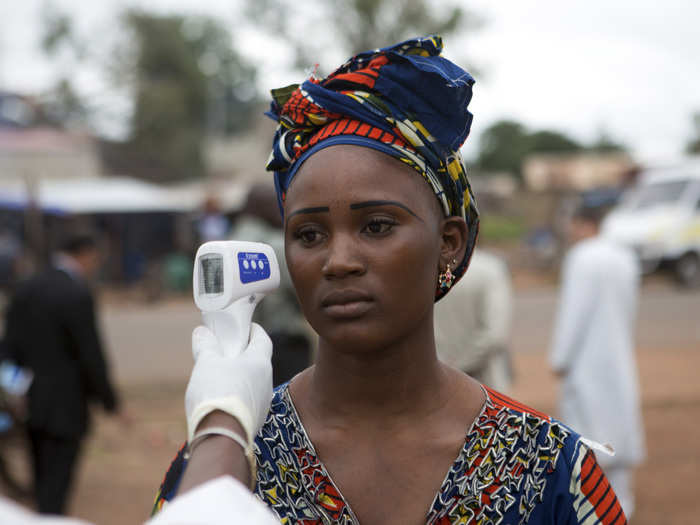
(593, 349)
(473, 322)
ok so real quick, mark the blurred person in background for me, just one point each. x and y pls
(212, 224)
(593, 348)
(473, 322)
(51, 329)
(10, 251)
(279, 313)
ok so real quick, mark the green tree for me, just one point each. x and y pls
(352, 26)
(182, 74)
(604, 143)
(187, 82)
(693, 145)
(62, 104)
(57, 32)
(504, 145)
(547, 141)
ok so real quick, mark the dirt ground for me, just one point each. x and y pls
(121, 467)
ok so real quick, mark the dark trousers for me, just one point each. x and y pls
(54, 459)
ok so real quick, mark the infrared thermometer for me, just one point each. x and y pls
(229, 280)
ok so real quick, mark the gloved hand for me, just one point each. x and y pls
(240, 385)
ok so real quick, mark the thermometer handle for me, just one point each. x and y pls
(231, 326)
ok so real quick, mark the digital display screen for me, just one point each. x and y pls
(211, 280)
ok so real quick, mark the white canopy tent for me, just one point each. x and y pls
(120, 195)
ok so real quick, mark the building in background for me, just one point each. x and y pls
(53, 176)
(32, 148)
(577, 171)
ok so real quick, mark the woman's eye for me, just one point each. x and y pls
(307, 235)
(379, 226)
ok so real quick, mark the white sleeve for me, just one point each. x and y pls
(220, 501)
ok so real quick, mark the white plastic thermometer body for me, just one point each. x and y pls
(229, 280)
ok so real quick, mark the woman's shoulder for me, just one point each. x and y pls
(542, 459)
(282, 428)
(281, 407)
(514, 412)
(512, 421)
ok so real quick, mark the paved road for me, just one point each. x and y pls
(152, 343)
(668, 318)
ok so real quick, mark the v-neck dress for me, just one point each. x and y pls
(516, 466)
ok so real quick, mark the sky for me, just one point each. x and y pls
(626, 67)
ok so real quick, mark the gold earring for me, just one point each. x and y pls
(446, 278)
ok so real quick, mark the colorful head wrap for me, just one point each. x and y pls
(406, 101)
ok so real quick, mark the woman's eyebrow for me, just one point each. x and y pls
(317, 209)
(369, 204)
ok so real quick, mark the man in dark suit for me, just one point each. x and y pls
(51, 329)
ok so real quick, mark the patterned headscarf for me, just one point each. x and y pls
(406, 101)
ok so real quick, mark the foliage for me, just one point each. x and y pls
(551, 142)
(352, 26)
(504, 145)
(606, 144)
(693, 145)
(62, 104)
(187, 81)
(495, 228)
(182, 75)
(57, 32)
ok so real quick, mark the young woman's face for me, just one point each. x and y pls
(362, 241)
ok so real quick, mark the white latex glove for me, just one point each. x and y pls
(240, 385)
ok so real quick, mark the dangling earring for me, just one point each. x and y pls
(445, 279)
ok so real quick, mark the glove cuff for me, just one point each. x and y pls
(231, 405)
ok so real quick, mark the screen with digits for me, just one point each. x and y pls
(211, 276)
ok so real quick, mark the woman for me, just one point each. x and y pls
(359, 159)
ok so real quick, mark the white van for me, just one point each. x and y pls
(660, 218)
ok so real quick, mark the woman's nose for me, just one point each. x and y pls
(343, 257)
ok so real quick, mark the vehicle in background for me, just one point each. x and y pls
(659, 217)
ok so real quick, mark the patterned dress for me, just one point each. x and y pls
(517, 466)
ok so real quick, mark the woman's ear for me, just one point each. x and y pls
(453, 241)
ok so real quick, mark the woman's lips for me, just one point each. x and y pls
(346, 304)
(347, 310)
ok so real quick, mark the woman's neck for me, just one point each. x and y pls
(405, 379)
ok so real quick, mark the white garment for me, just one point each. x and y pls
(12, 513)
(593, 348)
(220, 501)
(472, 322)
